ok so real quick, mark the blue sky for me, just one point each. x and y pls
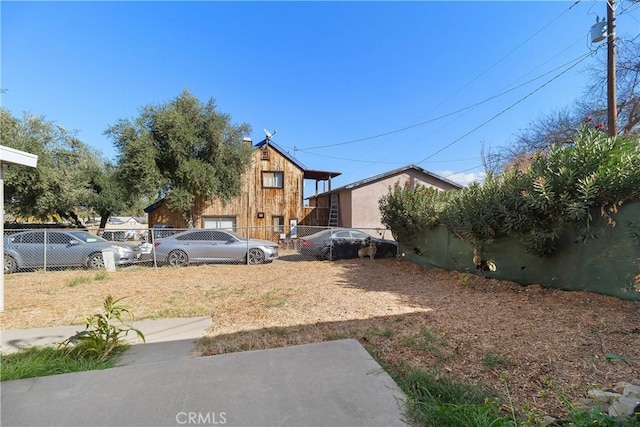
(457, 74)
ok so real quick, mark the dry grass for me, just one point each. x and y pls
(482, 331)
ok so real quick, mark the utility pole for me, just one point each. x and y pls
(612, 108)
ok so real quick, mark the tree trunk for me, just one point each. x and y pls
(188, 218)
(104, 217)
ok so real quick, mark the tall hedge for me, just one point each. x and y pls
(559, 188)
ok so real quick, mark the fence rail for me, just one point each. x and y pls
(52, 249)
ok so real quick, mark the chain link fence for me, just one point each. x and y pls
(55, 249)
(50, 249)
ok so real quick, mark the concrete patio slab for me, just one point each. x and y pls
(334, 383)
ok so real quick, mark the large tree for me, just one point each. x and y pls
(59, 186)
(181, 150)
(108, 195)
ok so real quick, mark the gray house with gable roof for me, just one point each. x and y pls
(355, 205)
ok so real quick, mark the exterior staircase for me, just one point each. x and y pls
(333, 210)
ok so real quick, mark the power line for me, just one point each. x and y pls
(355, 160)
(579, 59)
(384, 162)
(390, 137)
(452, 175)
(629, 9)
(460, 90)
(505, 88)
(505, 56)
(505, 110)
(502, 58)
(467, 170)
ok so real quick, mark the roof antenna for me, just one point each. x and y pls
(269, 134)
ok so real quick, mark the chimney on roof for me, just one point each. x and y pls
(248, 141)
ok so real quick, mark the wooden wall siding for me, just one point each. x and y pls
(317, 214)
(162, 215)
(315, 217)
(285, 202)
(320, 201)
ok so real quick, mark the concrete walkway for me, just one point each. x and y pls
(155, 331)
(335, 383)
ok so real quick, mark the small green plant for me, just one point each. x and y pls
(277, 331)
(598, 418)
(433, 400)
(104, 332)
(428, 342)
(388, 332)
(273, 299)
(610, 357)
(334, 336)
(407, 341)
(79, 281)
(100, 275)
(595, 417)
(512, 410)
(432, 343)
(494, 361)
(44, 361)
(464, 278)
(372, 331)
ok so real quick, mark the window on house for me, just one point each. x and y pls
(272, 179)
(278, 224)
(226, 223)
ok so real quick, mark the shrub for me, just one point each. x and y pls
(104, 332)
(563, 186)
(411, 209)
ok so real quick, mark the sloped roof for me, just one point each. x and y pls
(308, 173)
(154, 205)
(391, 173)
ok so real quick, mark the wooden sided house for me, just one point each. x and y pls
(271, 202)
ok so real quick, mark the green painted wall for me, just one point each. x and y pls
(608, 264)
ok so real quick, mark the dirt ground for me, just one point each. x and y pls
(533, 345)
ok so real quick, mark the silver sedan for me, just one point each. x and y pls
(209, 245)
(27, 250)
